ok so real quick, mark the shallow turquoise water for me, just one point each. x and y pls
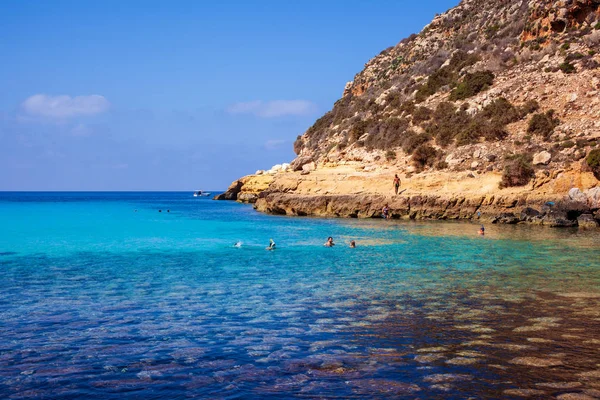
(103, 296)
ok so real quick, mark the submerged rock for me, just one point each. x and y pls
(524, 392)
(536, 362)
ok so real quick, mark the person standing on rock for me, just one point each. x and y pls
(396, 183)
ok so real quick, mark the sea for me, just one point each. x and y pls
(145, 296)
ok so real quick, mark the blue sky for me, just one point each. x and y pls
(176, 95)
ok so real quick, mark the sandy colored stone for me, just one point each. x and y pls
(536, 362)
(524, 392)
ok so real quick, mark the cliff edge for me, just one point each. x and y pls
(491, 112)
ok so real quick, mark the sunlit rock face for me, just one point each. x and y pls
(493, 99)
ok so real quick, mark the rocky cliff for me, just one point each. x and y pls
(490, 112)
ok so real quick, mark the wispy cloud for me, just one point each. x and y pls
(274, 144)
(62, 107)
(272, 109)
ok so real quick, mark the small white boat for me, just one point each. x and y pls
(201, 193)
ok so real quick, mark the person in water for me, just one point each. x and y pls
(396, 183)
(482, 230)
(271, 245)
(352, 244)
(329, 242)
(385, 212)
(238, 244)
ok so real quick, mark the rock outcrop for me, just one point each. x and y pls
(490, 112)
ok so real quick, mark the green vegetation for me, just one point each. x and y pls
(445, 76)
(517, 171)
(567, 67)
(421, 114)
(423, 156)
(529, 107)
(593, 161)
(298, 144)
(413, 140)
(472, 84)
(574, 56)
(543, 124)
(358, 129)
(390, 155)
(446, 123)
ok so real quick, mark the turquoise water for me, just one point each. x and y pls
(103, 296)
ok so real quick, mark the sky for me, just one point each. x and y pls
(176, 95)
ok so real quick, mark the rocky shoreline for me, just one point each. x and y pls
(289, 194)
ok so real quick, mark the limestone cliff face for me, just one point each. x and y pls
(492, 109)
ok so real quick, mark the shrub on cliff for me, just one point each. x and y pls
(446, 123)
(423, 156)
(472, 84)
(528, 107)
(387, 134)
(567, 67)
(358, 129)
(543, 124)
(501, 112)
(517, 171)
(442, 77)
(413, 140)
(421, 114)
(445, 76)
(593, 161)
(298, 144)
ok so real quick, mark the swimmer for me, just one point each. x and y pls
(482, 230)
(352, 244)
(329, 242)
(385, 212)
(271, 245)
(238, 244)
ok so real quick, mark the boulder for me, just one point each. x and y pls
(311, 166)
(529, 214)
(593, 197)
(247, 197)
(505, 218)
(587, 221)
(542, 158)
(558, 219)
(577, 195)
(452, 161)
(232, 191)
(297, 164)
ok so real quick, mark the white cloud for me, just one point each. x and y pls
(272, 109)
(274, 144)
(41, 105)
